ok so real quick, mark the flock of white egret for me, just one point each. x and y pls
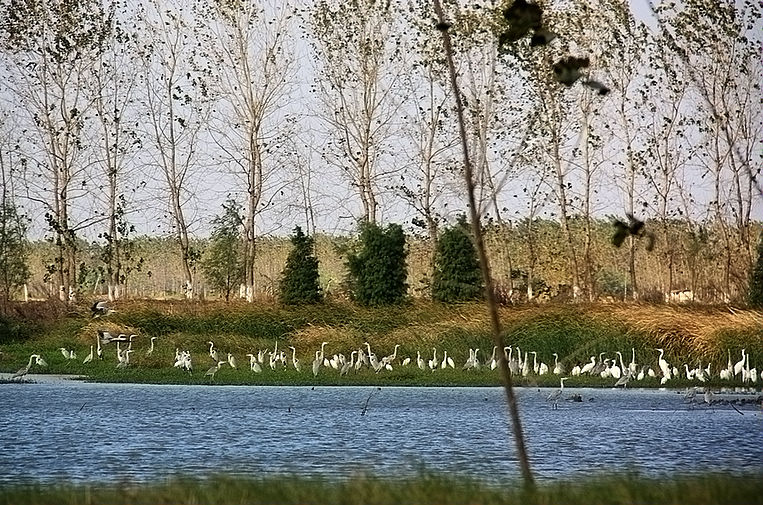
(520, 363)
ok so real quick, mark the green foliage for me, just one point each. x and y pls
(299, 281)
(457, 276)
(222, 265)
(424, 488)
(378, 271)
(14, 270)
(755, 295)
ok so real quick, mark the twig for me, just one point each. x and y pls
(492, 305)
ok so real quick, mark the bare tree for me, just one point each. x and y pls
(115, 81)
(361, 61)
(254, 48)
(623, 63)
(51, 49)
(176, 106)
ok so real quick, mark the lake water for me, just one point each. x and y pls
(82, 432)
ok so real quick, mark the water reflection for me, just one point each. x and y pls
(87, 432)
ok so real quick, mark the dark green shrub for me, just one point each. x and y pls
(299, 280)
(222, 262)
(378, 271)
(457, 276)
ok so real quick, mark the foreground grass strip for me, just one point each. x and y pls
(424, 489)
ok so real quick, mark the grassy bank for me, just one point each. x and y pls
(425, 489)
(690, 335)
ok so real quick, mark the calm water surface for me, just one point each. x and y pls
(93, 432)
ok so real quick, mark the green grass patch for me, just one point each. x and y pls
(423, 489)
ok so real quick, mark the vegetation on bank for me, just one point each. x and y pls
(575, 332)
(422, 489)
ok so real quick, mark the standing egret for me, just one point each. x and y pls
(558, 367)
(294, 359)
(231, 360)
(213, 351)
(739, 366)
(406, 361)
(24, 370)
(348, 364)
(89, 357)
(419, 360)
(40, 361)
(588, 366)
(632, 366)
(317, 362)
(151, 349)
(554, 397)
(664, 366)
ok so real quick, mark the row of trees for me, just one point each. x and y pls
(116, 110)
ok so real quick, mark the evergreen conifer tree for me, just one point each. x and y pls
(457, 276)
(378, 271)
(299, 281)
(755, 294)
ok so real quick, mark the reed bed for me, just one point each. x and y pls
(423, 489)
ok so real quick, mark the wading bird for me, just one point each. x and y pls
(212, 371)
(151, 349)
(25, 370)
(554, 397)
(89, 357)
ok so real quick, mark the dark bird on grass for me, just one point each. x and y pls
(101, 308)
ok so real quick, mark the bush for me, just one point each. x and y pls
(299, 280)
(457, 276)
(222, 265)
(755, 294)
(378, 272)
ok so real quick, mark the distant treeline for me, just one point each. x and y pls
(695, 264)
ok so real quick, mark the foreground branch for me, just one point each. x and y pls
(495, 323)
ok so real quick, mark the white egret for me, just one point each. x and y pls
(419, 360)
(317, 362)
(213, 352)
(433, 362)
(40, 361)
(588, 366)
(558, 367)
(739, 365)
(151, 349)
(406, 361)
(575, 370)
(231, 360)
(664, 367)
(632, 366)
(493, 362)
(346, 367)
(391, 357)
(615, 371)
(554, 397)
(294, 359)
